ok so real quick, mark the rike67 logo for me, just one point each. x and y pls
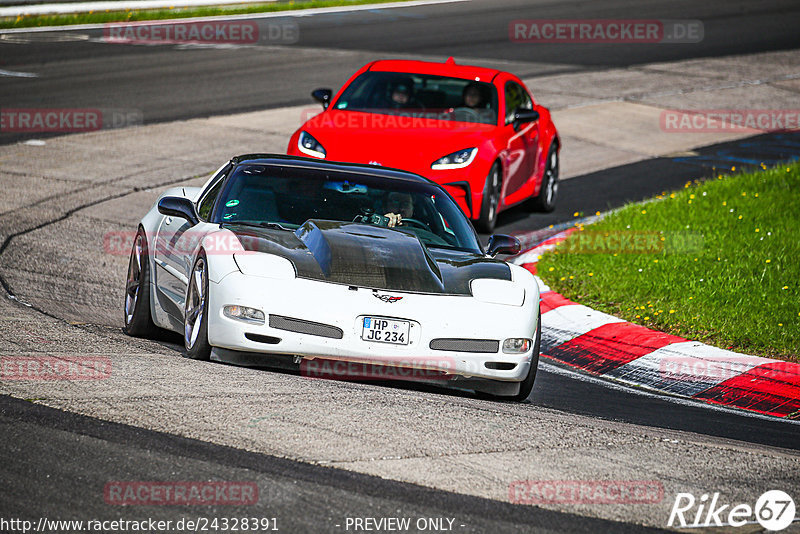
(774, 511)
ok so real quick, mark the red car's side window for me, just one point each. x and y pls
(516, 98)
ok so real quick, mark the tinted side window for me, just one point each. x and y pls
(516, 98)
(207, 202)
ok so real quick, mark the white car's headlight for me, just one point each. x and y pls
(243, 313)
(309, 146)
(517, 345)
(498, 291)
(264, 265)
(456, 160)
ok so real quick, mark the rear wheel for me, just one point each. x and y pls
(526, 386)
(491, 201)
(138, 321)
(546, 200)
(195, 317)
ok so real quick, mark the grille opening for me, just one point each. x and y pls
(258, 338)
(500, 366)
(305, 327)
(465, 345)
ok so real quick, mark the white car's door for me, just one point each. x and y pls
(177, 243)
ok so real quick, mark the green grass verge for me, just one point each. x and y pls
(718, 262)
(97, 17)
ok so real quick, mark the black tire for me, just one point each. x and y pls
(195, 314)
(526, 386)
(548, 194)
(490, 204)
(136, 308)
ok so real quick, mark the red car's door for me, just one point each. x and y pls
(522, 143)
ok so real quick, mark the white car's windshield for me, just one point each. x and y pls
(421, 95)
(287, 197)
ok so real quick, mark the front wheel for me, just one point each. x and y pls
(491, 201)
(138, 321)
(526, 386)
(548, 193)
(195, 316)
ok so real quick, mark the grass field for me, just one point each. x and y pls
(101, 17)
(718, 262)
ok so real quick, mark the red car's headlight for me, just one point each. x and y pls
(310, 146)
(456, 160)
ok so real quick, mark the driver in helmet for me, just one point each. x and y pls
(399, 205)
(473, 96)
(402, 95)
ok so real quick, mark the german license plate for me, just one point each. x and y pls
(382, 330)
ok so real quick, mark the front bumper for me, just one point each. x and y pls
(342, 308)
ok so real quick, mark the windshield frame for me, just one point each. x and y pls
(464, 233)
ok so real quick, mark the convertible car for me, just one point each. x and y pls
(476, 131)
(316, 261)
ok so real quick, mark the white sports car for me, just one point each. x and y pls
(331, 266)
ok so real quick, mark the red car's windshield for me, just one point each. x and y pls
(421, 95)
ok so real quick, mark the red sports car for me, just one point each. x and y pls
(476, 131)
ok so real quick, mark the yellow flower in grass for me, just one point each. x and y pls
(644, 211)
(672, 311)
(769, 261)
(591, 274)
(551, 269)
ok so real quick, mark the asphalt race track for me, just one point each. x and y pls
(155, 80)
(322, 451)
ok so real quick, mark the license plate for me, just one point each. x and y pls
(382, 330)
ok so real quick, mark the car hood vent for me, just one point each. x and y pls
(370, 256)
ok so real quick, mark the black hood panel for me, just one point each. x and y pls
(370, 256)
